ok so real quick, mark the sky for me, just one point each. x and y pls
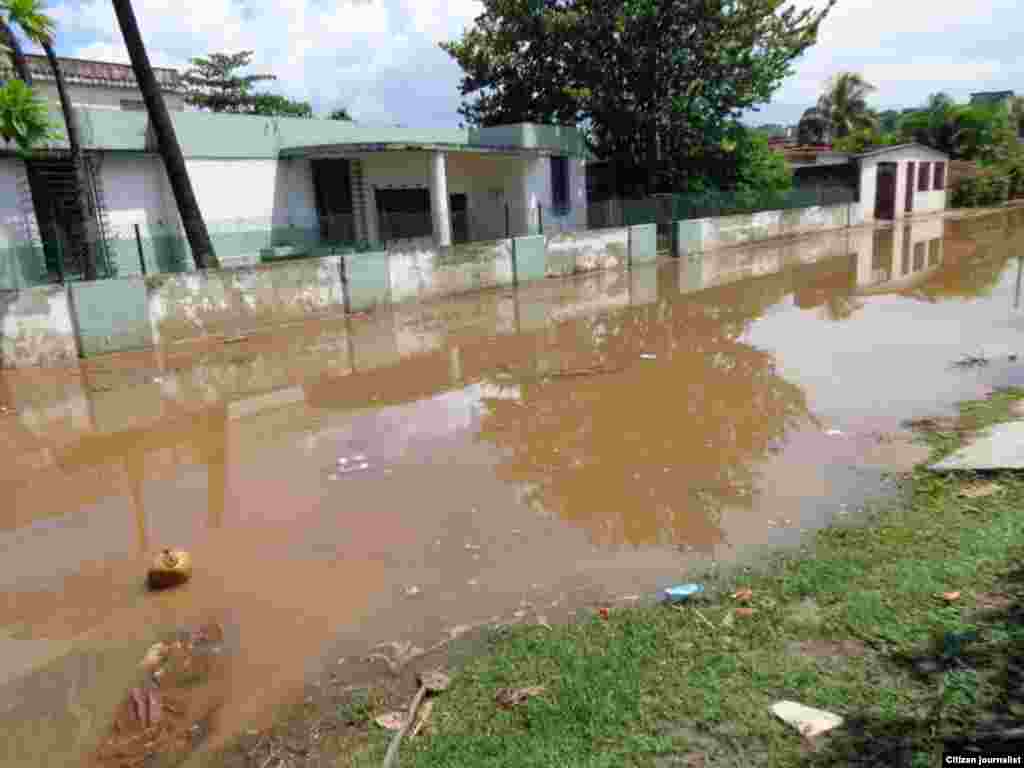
(380, 58)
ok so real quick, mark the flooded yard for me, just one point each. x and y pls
(507, 456)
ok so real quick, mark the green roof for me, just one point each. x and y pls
(210, 135)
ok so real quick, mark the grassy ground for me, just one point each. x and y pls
(856, 625)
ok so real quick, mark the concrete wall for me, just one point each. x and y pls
(36, 327)
(425, 273)
(573, 252)
(923, 202)
(698, 235)
(242, 301)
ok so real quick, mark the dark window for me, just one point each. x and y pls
(560, 184)
(923, 177)
(133, 105)
(403, 213)
(940, 176)
(919, 253)
(933, 251)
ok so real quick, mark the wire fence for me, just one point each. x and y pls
(150, 247)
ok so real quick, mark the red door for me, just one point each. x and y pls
(885, 191)
(910, 187)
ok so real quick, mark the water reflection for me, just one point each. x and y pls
(650, 452)
(228, 449)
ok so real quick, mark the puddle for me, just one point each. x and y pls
(503, 457)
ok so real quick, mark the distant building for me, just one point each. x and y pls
(98, 84)
(992, 97)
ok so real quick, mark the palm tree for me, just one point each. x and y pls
(39, 28)
(844, 104)
(167, 140)
(41, 200)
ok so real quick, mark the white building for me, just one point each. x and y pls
(98, 84)
(901, 181)
(295, 186)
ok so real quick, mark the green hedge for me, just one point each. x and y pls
(991, 186)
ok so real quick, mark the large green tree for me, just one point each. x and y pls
(656, 83)
(984, 132)
(844, 104)
(214, 82)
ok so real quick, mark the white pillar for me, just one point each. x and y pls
(439, 200)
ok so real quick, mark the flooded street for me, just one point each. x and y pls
(506, 456)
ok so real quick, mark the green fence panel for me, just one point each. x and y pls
(111, 315)
(643, 243)
(368, 280)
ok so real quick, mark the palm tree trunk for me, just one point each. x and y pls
(85, 242)
(42, 203)
(167, 140)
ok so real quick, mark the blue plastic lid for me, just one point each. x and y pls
(683, 591)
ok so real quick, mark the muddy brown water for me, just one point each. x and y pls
(508, 456)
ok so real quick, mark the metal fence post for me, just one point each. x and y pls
(508, 231)
(540, 219)
(60, 261)
(142, 255)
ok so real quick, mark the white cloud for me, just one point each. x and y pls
(351, 53)
(380, 57)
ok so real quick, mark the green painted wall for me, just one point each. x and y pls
(204, 134)
(112, 316)
(563, 139)
(368, 277)
(529, 258)
(643, 243)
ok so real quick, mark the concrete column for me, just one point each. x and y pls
(439, 200)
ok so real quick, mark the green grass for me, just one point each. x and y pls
(662, 686)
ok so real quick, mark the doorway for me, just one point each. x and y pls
(332, 183)
(460, 218)
(910, 188)
(885, 191)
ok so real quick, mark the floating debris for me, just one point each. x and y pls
(808, 721)
(648, 356)
(681, 592)
(170, 568)
(511, 697)
(412, 591)
(833, 432)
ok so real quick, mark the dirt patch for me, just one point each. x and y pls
(993, 601)
(827, 649)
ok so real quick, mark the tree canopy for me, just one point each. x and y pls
(213, 82)
(657, 84)
(844, 104)
(272, 105)
(339, 114)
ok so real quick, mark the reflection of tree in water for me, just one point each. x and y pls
(830, 284)
(650, 453)
(976, 252)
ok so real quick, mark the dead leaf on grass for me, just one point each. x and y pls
(392, 721)
(510, 697)
(980, 490)
(950, 597)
